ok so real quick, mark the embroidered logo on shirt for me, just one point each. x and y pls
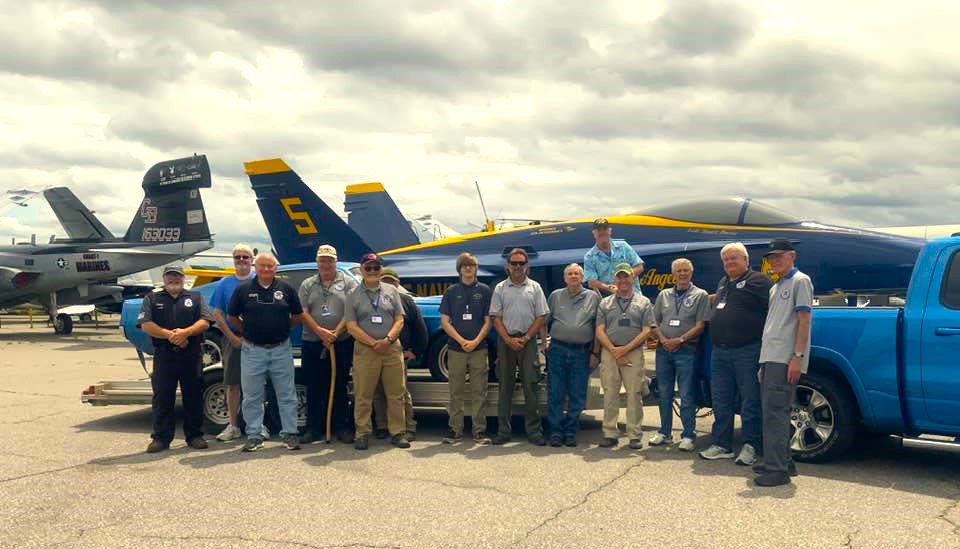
(278, 295)
(785, 293)
(741, 284)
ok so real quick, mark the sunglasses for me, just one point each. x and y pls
(241, 257)
(517, 263)
(372, 268)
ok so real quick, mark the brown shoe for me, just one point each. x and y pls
(156, 446)
(198, 443)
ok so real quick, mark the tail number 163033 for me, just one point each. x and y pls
(161, 234)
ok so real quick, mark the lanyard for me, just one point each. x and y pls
(623, 310)
(678, 297)
(726, 287)
(374, 304)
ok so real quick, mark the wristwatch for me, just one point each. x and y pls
(391, 339)
(682, 340)
(525, 338)
(798, 355)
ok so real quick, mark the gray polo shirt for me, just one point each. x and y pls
(366, 307)
(624, 320)
(790, 295)
(325, 303)
(518, 305)
(676, 317)
(572, 318)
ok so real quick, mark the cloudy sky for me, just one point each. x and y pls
(845, 112)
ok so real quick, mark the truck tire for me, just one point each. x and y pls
(823, 420)
(214, 401)
(211, 348)
(438, 352)
(63, 324)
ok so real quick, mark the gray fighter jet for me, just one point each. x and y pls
(170, 224)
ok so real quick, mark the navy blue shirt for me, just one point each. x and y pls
(467, 307)
(740, 309)
(265, 312)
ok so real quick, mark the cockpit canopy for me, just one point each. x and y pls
(723, 211)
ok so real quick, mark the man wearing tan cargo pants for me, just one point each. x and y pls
(624, 322)
(374, 316)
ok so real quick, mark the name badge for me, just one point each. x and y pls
(376, 319)
(623, 322)
(675, 322)
(468, 316)
(721, 305)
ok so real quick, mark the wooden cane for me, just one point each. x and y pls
(333, 382)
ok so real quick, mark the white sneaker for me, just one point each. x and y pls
(716, 452)
(748, 455)
(686, 444)
(265, 432)
(230, 432)
(660, 439)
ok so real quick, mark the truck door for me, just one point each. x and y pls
(940, 342)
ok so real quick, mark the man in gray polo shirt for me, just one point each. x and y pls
(624, 322)
(518, 308)
(784, 356)
(374, 316)
(572, 321)
(681, 313)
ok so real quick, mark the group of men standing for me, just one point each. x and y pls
(760, 334)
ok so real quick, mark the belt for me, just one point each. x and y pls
(569, 345)
(731, 346)
(267, 345)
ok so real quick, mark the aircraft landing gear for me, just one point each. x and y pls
(62, 323)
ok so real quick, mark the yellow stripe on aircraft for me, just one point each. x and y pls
(361, 188)
(268, 166)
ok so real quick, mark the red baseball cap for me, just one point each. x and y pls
(370, 258)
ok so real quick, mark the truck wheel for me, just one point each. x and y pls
(299, 379)
(823, 420)
(437, 360)
(210, 349)
(63, 324)
(215, 415)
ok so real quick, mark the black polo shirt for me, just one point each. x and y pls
(740, 309)
(467, 307)
(265, 312)
(170, 312)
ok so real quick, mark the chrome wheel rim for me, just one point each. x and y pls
(215, 404)
(210, 353)
(812, 420)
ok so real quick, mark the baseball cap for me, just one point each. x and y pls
(779, 246)
(173, 269)
(326, 250)
(392, 273)
(370, 258)
(601, 223)
(622, 268)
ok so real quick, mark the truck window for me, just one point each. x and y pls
(950, 291)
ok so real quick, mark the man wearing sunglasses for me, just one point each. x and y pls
(518, 308)
(230, 342)
(374, 315)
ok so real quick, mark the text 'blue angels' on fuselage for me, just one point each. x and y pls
(837, 258)
(169, 224)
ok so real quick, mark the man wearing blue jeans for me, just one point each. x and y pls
(736, 327)
(681, 313)
(262, 310)
(572, 319)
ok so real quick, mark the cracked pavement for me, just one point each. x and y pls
(72, 475)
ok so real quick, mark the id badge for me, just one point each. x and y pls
(675, 322)
(468, 316)
(376, 319)
(721, 305)
(624, 323)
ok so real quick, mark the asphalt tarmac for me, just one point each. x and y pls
(75, 475)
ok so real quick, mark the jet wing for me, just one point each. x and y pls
(76, 219)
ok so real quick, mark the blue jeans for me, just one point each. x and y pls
(568, 369)
(734, 371)
(678, 367)
(256, 363)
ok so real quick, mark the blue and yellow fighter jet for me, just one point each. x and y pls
(836, 258)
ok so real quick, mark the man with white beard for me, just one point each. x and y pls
(176, 320)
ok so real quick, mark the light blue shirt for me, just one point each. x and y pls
(598, 265)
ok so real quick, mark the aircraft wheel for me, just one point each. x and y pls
(85, 317)
(63, 324)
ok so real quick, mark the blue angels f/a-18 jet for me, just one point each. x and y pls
(170, 224)
(835, 257)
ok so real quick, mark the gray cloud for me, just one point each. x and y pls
(698, 27)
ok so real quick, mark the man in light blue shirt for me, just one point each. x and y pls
(598, 263)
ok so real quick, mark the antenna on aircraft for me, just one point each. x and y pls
(488, 225)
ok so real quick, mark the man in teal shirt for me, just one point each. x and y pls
(598, 263)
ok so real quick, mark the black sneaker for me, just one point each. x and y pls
(762, 469)
(538, 440)
(362, 442)
(292, 442)
(772, 479)
(310, 438)
(156, 446)
(452, 437)
(197, 443)
(501, 439)
(570, 440)
(481, 439)
(411, 436)
(345, 436)
(381, 433)
(608, 442)
(400, 441)
(252, 445)
(556, 441)
(636, 444)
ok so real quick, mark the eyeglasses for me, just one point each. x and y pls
(241, 257)
(517, 263)
(372, 268)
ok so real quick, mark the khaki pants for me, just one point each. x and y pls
(508, 362)
(380, 406)
(369, 369)
(475, 363)
(632, 378)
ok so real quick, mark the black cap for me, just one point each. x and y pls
(779, 246)
(601, 223)
(173, 269)
(370, 258)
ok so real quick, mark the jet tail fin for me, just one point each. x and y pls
(376, 218)
(298, 220)
(76, 219)
(172, 210)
